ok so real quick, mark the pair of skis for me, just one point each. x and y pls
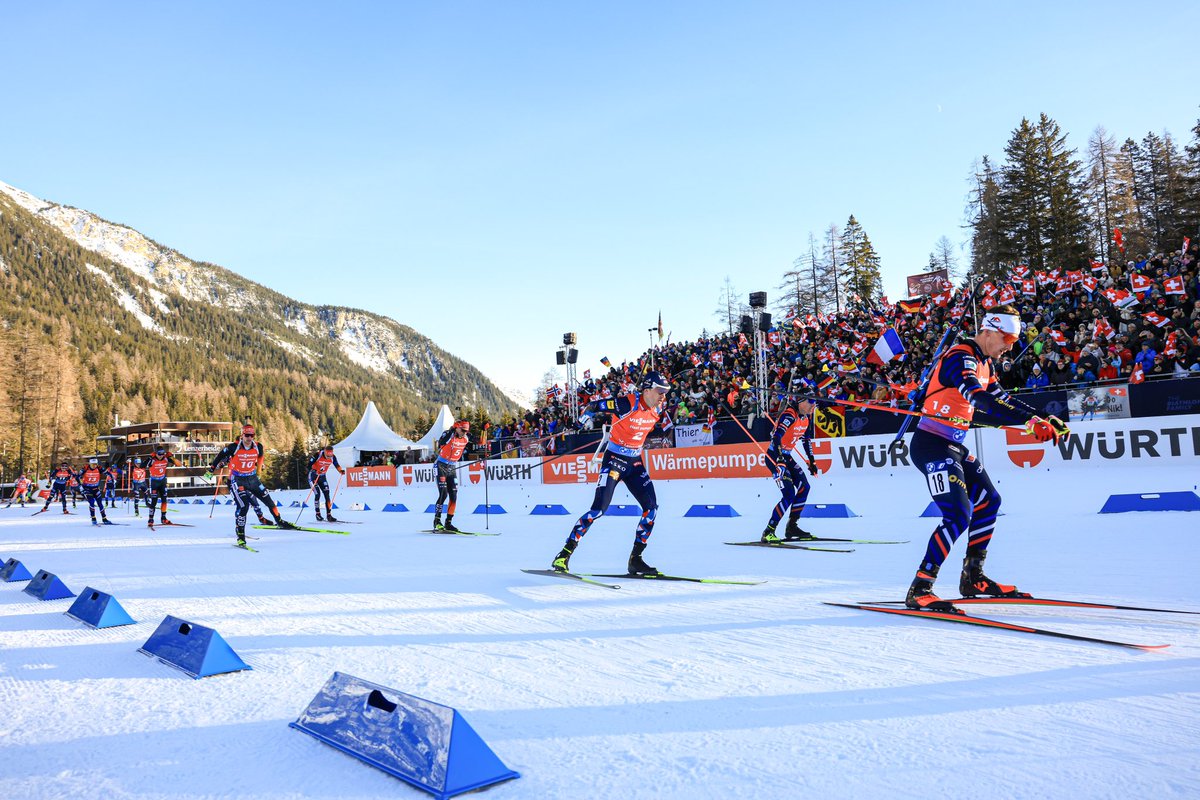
(457, 533)
(889, 607)
(794, 544)
(301, 528)
(590, 577)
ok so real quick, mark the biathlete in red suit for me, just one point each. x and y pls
(157, 469)
(793, 429)
(963, 382)
(137, 487)
(635, 416)
(22, 490)
(245, 457)
(317, 468)
(91, 480)
(451, 446)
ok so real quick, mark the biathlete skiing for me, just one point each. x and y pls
(320, 464)
(245, 457)
(451, 445)
(157, 468)
(634, 417)
(91, 480)
(963, 381)
(793, 429)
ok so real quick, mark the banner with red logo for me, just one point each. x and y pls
(371, 476)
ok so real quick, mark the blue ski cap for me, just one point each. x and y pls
(137, 461)
(654, 380)
(93, 462)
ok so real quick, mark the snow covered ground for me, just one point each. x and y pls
(655, 690)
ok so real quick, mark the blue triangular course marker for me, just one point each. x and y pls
(711, 511)
(623, 511)
(432, 509)
(549, 509)
(366, 507)
(295, 504)
(97, 609)
(828, 511)
(489, 509)
(335, 506)
(423, 743)
(228, 502)
(1161, 501)
(14, 571)
(304, 505)
(214, 502)
(931, 510)
(193, 649)
(391, 507)
(47, 586)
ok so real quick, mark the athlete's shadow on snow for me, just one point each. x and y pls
(1068, 685)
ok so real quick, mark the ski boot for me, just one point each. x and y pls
(437, 522)
(284, 525)
(636, 565)
(793, 533)
(769, 537)
(562, 561)
(973, 582)
(449, 526)
(329, 517)
(241, 538)
(94, 522)
(319, 517)
(262, 519)
(107, 521)
(67, 512)
(921, 597)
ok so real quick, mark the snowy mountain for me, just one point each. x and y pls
(136, 282)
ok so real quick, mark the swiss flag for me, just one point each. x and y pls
(1075, 277)
(718, 357)
(1007, 295)
(1140, 283)
(1173, 285)
(1104, 329)
(774, 338)
(1097, 266)
(1029, 287)
(695, 360)
(1157, 320)
(1058, 338)
(989, 288)
(1090, 283)
(988, 302)
(1021, 270)
(941, 299)
(1138, 374)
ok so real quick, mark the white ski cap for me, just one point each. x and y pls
(1009, 324)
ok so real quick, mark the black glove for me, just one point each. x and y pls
(812, 469)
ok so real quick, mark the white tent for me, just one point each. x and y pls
(372, 436)
(444, 420)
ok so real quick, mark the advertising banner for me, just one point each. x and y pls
(371, 476)
(693, 436)
(719, 461)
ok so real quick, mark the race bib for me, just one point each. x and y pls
(939, 482)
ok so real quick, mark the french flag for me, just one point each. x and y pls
(887, 348)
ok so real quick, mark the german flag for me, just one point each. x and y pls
(910, 306)
(826, 382)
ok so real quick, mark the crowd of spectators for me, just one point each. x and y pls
(1119, 323)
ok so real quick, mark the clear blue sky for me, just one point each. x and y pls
(495, 174)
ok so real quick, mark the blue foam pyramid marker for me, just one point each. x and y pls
(97, 609)
(193, 649)
(624, 511)
(423, 743)
(335, 506)
(431, 509)
(295, 504)
(47, 586)
(828, 511)
(366, 507)
(931, 510)
(549, 509)
(1160, 501)
(711, 511)
(304, 505)
(391, 507)
(489, 509)
(228, 502)
(14, 571)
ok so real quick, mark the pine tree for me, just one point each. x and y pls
(1189, 211)
(798, 291)
(860, 272)
(984, 219)
(829, 274)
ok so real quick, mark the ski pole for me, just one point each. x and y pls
(311, 486)
(336, 487)
(216, 489)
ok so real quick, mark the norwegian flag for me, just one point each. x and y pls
(1173, 285)
(1157, 320)
(1007, 295)
(1140, 283)
(1104, 329)
(1029, 287)
(553, 392)
(1120, 298)
(718, 357)
(1058, 337)
(1097, 266)
(1090, 283)
(774, 337)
